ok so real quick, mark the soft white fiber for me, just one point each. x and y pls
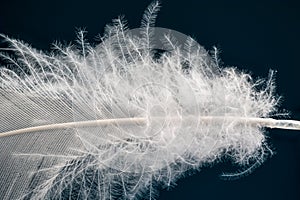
(116, 120)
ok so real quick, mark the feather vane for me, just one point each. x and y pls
(109, 121)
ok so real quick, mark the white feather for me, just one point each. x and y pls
(109, 121)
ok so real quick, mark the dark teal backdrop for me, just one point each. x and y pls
(252, 35)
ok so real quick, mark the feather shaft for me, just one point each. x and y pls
(262, 122)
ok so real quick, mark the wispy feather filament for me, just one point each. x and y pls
(111, 121)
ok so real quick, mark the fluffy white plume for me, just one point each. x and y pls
(116, 120)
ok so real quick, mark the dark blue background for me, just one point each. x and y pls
(253, 35)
